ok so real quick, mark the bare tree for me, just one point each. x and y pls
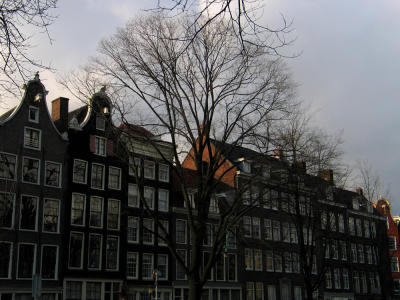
(211, 91)
(370, 181)
(16, 16)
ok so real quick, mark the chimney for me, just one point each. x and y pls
(59, 113)
(326, 175)
(360, 191)
(278, 154)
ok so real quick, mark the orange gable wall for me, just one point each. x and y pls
(228, 178)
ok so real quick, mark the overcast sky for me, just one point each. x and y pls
(348, 68)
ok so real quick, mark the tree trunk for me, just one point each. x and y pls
(195, 289)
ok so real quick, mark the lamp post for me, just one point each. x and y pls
(156, 274)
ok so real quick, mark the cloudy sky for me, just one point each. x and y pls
(348, 69)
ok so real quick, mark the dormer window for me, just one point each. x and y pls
(356, 204)
(100, 123)
(246, 166)
(106, 110)
(33, 114)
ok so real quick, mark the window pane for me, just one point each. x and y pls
(49, 262)
(147, 266)
(93, 290)
(132, 265)
(163, 200)
(5, 259)
(94, 251)
(114, 178)
(113, 214)
(163, 172)
(50, 215)
(26, 260)
(96, 212)
(28, 212)
(80, 171)
(75, 250)
(8, 164)
(78, 209)
(32, 138)
(148, 231)
(149, 169)
(6, 209)
(133, 229)
(112, 253)
(53, 172)
(97, 176)
(30, 171)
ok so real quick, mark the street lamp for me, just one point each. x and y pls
(156, 274)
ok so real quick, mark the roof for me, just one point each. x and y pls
(135, 130)
(78, 113)
(7, 114)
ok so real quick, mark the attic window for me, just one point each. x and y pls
(246, 167)
(33, 114)
(356, 204)
(106, 110)
(100, 123)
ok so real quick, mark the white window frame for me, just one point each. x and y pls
(15, 165)
(160, 191)
(58, 217)
(152, 266)
(100, 122)
(37, 213)
(184, 222)
(13, 210)
(136, 163)
(161, 178)
(119, 178)
(166, 266)
(118, 246)
(137, 219)
(101, 251)
(132, 187)
(99, 142)
(59, 174)
(161, 242)
(137, 265)
(82, 250)
(151, 204)
(150, 232)
(258, 252)
(184, 258)
(84, 209)
(57, 261)
(34, 260)
(101, 214)
(29, 145)
(150, 164)
(74, 179)
(248, 253)
(110, 200)
(39, 167)
(35, 110)
(103, 175)
(10, 262)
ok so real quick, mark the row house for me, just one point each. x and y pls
(384, 208)
(33, 177)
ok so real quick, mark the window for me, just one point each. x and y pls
(359, 227)
(266, 199)
(132, 265)
(148, 197)
(133, 229)
(6, 210)
(341, 223)
(180, 236)
(148, 231)
(257, 260)
(343, 250)
(369, 254)
(162, 266)
(336, 275)
(373, 230)
(269, 260)
(213, 205)
(286, 232)
(288, 262)
(134, 164)
(247, 226)
(163, 200)
(364, 282)
(28, 213)
(328, 279)
(324, 220)
(256, 227)
(33, 114)
(267, 229)
(361, 253)
(32, 138)
(276, 230)
(74, 290)
(180, 270)
(297, 293)
(114, 178)
(93, 290)
(332, 221)
(94, 255)
(79, 171)
(53, 174)
(97, 176)
(31, 170)
(96, 212)
(293, 233)
(162, 235)
(51, 215)
(335, 249)
(112, 251)
(354, 253)
(147, 266)
(271, 292)
(392, 242)
(246, 167)
(26, 260)
(346, 281)
(163, 173)
(232, 267)
(100, 145)
(100, 123)
(352, 230)
(395, 264)
(367, 232)
(113, 213)
(6, 249)
(274, 200)
(248, 259)
(133, 195)
(78, 209)
(8, 165)
(49, 260)
(75, 250)
(149, 168)
(296, 263)
(278, 262)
